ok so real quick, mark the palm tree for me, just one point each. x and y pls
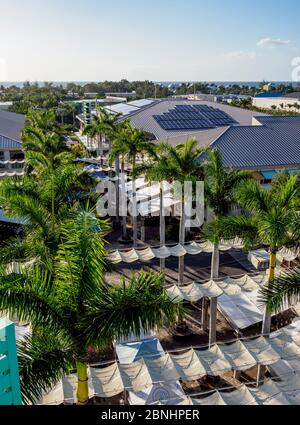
(155, 171)
(130, 143)
(43, 198)
(102, 123)
(116, 153)
(175, 164)
(44, 120)
(220, 185)
(42, 203)
(273, 221)
(72, 309)
(44, 149)
(284, 289)
(109, 124)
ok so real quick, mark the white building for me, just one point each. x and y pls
(289, 102)
(11, 155)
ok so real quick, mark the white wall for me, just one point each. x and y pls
(267, 103)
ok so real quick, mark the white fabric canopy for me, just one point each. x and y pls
(164, 394)
(192, 248)
(157, 369)
(213, 400)
(107, 381)
(135, 375)
(239, 310)
(259, 258)
(286, 254)
(238, 356)
(261, 350)
(188, 366)
(213, 361)
(240, 397)
(162, 369)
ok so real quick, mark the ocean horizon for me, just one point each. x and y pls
(20, 84)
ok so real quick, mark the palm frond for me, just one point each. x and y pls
(80, 259)
(285, 289)
(43, 360)
(28, 295)
(130, 309)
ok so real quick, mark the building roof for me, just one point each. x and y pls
(295, 95)
(268, 95)
(144, 119)
(11, 125)
(8, 144)
(275, 143)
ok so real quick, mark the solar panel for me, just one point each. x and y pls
(193, 117)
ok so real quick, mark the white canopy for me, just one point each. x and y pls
(192, 248)
(157, 369)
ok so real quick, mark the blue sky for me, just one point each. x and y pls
(148, 39)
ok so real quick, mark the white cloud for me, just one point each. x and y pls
(238, 54)
(272, 42)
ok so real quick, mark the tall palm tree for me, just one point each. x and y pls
(274, 221)
(42, 198)
(42, 203)
(108, 124)
(103, 123)
(72, 309)
(175, 164)
(117, 154)
(220, 185)
(45, 120)
(131, 143)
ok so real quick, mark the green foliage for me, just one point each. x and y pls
(285, 289)
(71, 308)
(273, 218)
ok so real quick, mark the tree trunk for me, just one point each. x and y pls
(214, 301)
(82, 385)
(181, 241)
(162, 227)
(266, 327)
(143, 230)
(101, 150)
(124, 209)
(134, 216)
(117, 167)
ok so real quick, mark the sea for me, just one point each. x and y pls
(163, 83)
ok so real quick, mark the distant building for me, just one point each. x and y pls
(11, 154)
(125, 94)
(282, 102)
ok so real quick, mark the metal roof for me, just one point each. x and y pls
(140, 103)
(121, 108)
(143, 119)
(274, 143)
(295, 95)
(269, 95)
(8, 144)
(11, 125)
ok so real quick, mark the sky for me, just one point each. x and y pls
(159, 40)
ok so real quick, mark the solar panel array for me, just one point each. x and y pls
(193, 117)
